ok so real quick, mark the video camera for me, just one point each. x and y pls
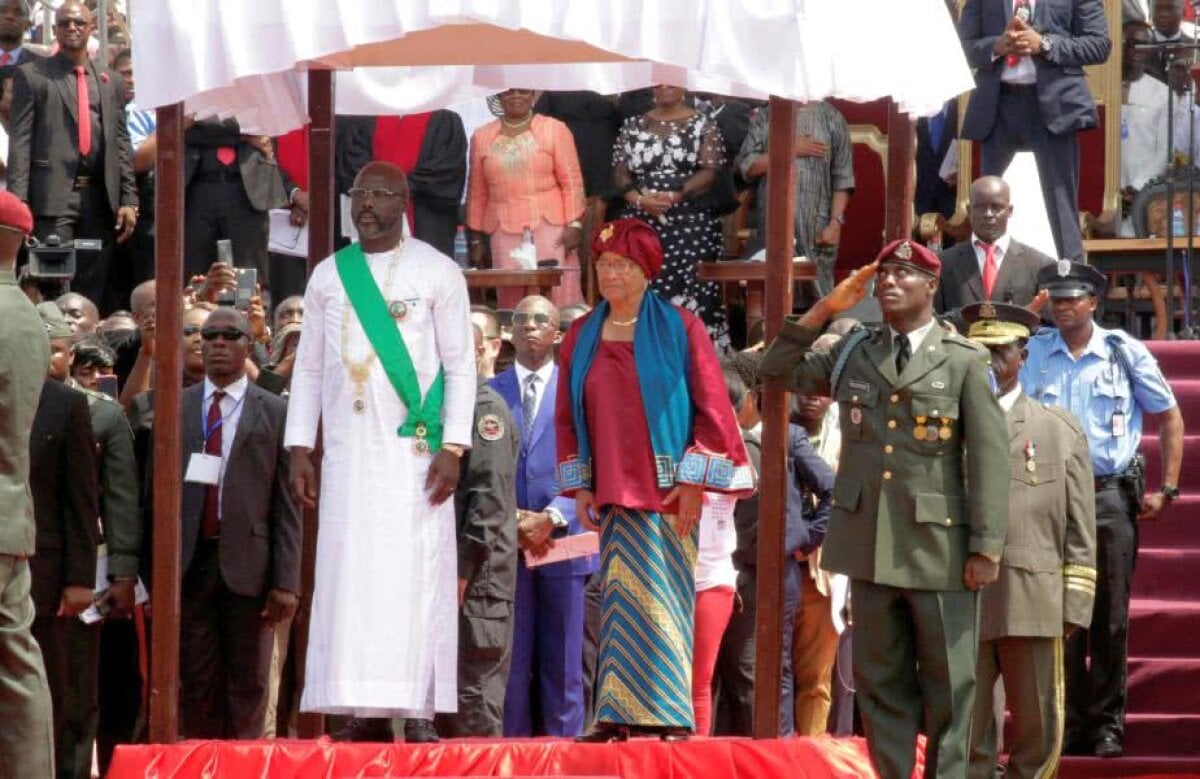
(54, 260)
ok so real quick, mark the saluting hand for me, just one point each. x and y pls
(851, 290)
(1039, 301)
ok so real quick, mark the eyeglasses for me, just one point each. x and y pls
(538, 318)
(359, 193)
(225, 334)
(80, 23)
(617, 266)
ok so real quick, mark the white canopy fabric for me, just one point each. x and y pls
(246, 59)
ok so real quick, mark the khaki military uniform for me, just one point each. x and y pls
(1047, 579)
(902, 527)
(27, 730)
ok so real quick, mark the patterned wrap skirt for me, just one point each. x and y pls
(647, 607)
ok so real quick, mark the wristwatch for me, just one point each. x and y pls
(1047, 44)
(454, 449)
(1170, 494)
(578, 225)
(556, 518)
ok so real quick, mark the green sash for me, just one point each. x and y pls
(424, 420)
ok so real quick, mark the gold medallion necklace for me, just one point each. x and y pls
(359, 371)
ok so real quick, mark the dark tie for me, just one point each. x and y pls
(211, 525)
(529, 404)
(902, 353)
(83, 111)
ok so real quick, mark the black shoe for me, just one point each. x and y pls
(1109, 746)
(603, 733)
(419, 731)
(365, 729)
(1076, 746)
(675, 734)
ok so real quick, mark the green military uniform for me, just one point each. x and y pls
(27, 733)
(486, 510)
(1047, 574)
(902, 528)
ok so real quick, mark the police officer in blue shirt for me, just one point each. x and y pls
(1110, 382)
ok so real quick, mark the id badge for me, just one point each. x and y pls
(1118, 425)
(204, 469)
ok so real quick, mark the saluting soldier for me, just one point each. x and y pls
(1109, 381)
(921, 430)
(1048, 570)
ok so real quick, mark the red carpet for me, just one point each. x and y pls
(1162, 734)
(719, 758)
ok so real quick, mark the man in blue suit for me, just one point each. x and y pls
(1030, 93)
(547, 651)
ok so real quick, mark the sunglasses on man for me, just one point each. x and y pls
(224, 333)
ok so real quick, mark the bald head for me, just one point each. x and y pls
(142, 299)
(72, 23)
(81, 314)
(990, 208)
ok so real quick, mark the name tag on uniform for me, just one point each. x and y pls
(204, 469)
(1118, 425)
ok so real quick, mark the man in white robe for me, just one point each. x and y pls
(383, 634)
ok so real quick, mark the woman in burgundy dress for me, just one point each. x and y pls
(645, 427)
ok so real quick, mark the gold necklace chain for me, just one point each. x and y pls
(516, 125)
(360, 370)
(626, 323)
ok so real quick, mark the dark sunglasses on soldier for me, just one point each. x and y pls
(537, 318)
(224, 333)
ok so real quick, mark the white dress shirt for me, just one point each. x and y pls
(231, 414)
(1009, 399)
(916, 336)
(539, 388)
(1144, 132)
(1001, 245)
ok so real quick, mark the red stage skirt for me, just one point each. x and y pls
(726, 758)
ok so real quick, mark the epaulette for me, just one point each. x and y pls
(961, 340)
(1045, 331)
(1066, 416)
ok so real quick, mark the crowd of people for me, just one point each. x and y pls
(541, 517)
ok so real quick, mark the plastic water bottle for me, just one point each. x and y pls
(460, 246)
(527, 241)
(1178, 225)
(526, 253)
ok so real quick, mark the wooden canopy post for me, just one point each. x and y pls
(168, 461)
(320, 246)
(781, 204)
(901, 175)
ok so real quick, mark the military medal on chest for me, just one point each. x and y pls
(398, 309)
(945, 431)
(919, 430)
(856, 415)
(1030, 454)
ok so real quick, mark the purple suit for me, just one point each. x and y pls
(548, 610)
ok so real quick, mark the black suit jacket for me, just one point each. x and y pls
(62, 478)
(43, 155)
(962, 284)
(1080, 35)
(260, 177)
(259, 547)
(933, 195)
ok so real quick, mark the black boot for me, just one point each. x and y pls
(419, 731)
(604, 732)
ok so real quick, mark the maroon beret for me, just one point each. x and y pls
(15, 214)
(634, 240)
(906, 252)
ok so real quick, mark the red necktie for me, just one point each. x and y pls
(83, 111)
(210, 527)
(5, 59)
(990, 268)
(226, 155)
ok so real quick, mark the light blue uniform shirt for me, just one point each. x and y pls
(1096, 390)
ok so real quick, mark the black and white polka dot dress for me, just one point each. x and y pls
(661, 156)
